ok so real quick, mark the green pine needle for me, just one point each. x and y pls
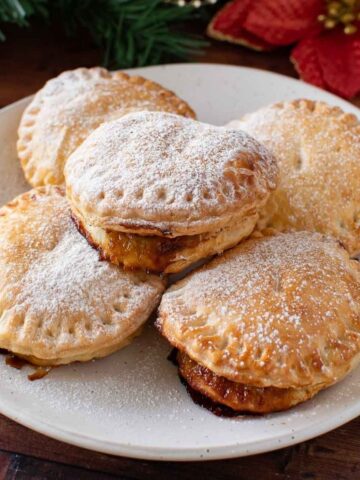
(19, 12)
(130, 32)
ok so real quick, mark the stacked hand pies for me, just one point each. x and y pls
(318, 149)
(158, 191)
(58, 302)
(150, 191)
(267, 325)
(69, 107)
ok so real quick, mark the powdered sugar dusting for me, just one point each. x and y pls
(102, 401)
(317, 147)
(56, 293)
(159, 167)
(281, 310)
(84, 98)
(135, 397)
(69, 107)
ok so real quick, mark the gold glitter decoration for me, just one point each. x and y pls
(341, 12)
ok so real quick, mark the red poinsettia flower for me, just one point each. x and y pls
(326, 57)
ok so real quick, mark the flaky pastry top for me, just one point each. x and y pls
(57, 298)
(69, 107)
(162, 174)
(281, 311)
(318, 150)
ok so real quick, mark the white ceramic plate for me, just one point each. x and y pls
(132, 403)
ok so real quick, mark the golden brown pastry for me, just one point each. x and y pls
(239, 397)
(268, 324)
(318, 150)
(69, 107)
(158, 191)
(58, 302)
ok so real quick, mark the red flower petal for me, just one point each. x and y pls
(306, 61)
(228, 25)
(282, 22)
(263, 24)
(336, 56)
(339, 57)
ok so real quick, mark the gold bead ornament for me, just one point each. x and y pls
(342, 12)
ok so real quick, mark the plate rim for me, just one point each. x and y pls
(268, 73)
(281, 440)
(179, 454)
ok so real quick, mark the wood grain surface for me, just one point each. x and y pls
(27, 60)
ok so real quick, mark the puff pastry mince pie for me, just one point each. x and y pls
(158, 191)
(69, 107)
(318, 150)
(58, 302)
(269, 324)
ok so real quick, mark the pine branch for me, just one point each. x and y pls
(130, 32)
(19, 12)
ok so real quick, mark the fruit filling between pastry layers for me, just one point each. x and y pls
(162, 254)
(153, 253)
(240, 398)
(150, 252)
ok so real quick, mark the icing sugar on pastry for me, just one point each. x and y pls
(280, 311)
(317, 147)
(58, 301)
(157, 191)
(69, 107)
(168, 174)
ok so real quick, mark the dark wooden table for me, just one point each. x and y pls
(27, 60)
